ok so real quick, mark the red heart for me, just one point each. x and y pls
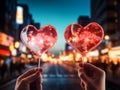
(84, 39)
(39, 41)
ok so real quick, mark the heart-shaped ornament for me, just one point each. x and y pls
(39, 41)
(84, 39)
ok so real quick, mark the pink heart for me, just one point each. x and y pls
(84, 39)
(39, 41)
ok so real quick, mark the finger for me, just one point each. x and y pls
(39, 83)
(30, 78)
(80, 70)
(84, 78)
(82, 84)
(29, 72)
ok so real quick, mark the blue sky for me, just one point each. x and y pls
(59, 13)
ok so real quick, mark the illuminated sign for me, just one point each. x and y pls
(114, 52)
(93, 53)
(6, 40)
(4, 52)
(19, 15)
(104, 51)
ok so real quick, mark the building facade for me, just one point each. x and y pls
(7, 25)
(7, 16)
(107, 14)
(83, 20)
(13, 18)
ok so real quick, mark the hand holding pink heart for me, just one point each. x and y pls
(39, 41)
(84, 39)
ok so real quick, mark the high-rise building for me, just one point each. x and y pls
(83, 20)
(13, 17)
(7, 25)
(37, 25)
(25, 18)
(107, 14)
(7, 16)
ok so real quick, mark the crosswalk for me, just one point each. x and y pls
(59, 76)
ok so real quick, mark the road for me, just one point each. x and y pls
(59, 77)
(55, 77)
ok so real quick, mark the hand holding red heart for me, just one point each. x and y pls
(82, 39)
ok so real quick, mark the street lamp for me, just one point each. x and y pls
(107, 37)
(11, 47)
(108, 44)
(17, 44)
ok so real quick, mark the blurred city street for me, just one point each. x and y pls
(58, 76)
(61, 34)
(55, 77)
